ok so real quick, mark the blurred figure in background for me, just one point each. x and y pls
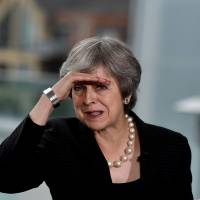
(106, 144)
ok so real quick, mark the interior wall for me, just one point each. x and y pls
(164, 36)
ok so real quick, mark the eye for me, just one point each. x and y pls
(78, 88)
(101, 87)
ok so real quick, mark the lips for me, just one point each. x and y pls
(93, 113)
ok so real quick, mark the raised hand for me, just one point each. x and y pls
(63, 87)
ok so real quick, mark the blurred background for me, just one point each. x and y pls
(36, 36)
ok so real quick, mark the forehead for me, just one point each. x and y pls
(99, 71)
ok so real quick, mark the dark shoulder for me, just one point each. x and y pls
(67, 124)
(153, 132)
(164, 132)
(165, 137)
(61, 134)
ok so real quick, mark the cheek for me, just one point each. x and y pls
(113, 99)
(114, 105)
(76, 99)
(110, 105)
(76, 103)
(77, 109)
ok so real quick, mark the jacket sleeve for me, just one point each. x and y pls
(21, 159)
(185, 175)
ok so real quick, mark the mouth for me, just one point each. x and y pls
(93, 114)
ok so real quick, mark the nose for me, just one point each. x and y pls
(90, 96)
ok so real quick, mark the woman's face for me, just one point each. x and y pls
(99, 106)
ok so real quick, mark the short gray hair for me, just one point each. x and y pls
(114, 55)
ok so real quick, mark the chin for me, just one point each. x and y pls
(95, 126)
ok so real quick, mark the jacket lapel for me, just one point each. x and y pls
(91, 153)
(148, 154)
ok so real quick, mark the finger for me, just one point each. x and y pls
(104, 81)
(79, 77)
(85, 78)
(91, 77)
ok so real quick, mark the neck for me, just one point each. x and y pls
(113, 135)
(112, 140)
(121, 148)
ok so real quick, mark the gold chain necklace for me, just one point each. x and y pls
(129, 146)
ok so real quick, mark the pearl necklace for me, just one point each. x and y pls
(129, 146)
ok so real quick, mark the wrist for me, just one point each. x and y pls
(50, 94)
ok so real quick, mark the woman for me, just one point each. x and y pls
(107, 144)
